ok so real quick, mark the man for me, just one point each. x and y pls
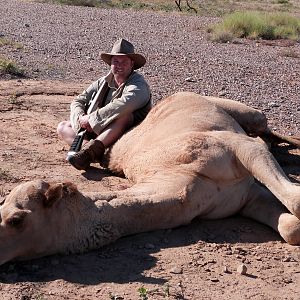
(123, 102)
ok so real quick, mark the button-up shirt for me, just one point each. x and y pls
(133, 96)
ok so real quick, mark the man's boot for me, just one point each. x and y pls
(91, 152)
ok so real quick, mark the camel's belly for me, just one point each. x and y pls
(193, 152)
(213, 201)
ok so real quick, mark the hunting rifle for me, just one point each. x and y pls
(91, 106)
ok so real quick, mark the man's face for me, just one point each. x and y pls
(121, 65)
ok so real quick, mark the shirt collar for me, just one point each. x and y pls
(109, 78)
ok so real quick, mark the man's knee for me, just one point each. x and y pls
(62, 126)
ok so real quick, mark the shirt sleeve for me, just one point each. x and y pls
(79, 104)
(135, 95)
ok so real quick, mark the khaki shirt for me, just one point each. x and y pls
(133, 96)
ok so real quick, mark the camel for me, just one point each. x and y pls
(192, 156)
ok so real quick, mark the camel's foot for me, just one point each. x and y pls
(289, 228)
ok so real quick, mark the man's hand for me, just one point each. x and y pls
(84, 123)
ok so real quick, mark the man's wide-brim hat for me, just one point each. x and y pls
(123, 47)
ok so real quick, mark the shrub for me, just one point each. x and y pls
(6, 42)
(9, 67)
(283, 1)
(89, 3)
(222, 37)
(259, 25)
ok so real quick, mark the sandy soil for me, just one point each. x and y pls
(198, 261)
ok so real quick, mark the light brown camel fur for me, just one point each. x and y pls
(192, 157)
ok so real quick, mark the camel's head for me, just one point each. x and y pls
(27, 228)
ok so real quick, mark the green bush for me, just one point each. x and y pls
(259, 25)
(223, 37)
(283, 1)
(89, 3)
(9, 67)
(5, 42)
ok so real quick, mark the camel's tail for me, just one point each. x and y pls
(277, 138)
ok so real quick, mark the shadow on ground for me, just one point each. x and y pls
(127, 259)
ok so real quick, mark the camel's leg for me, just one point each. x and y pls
(259, 162)
(253, 121)
(264, 207)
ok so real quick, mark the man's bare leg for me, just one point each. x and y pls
(108, 136)
(115, 130)
(66, 132)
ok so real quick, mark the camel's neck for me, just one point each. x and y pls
(130, 214)
(83, 226)
(94, 222)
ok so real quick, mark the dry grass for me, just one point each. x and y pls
(257, 25)
(10, 67)
(203, 7)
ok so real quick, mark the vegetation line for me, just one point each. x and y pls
(257, 25)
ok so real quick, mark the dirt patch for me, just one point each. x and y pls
(198, 261)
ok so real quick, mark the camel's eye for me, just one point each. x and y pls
(15, 221)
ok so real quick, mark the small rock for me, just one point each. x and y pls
(287, 280)
(287, 259)
(222, 93)
(242, 269)
(214, 279)
(176, 270)
(190, 79)
(273, 104)
(225, 270)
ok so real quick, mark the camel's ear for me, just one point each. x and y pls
(57, 191)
